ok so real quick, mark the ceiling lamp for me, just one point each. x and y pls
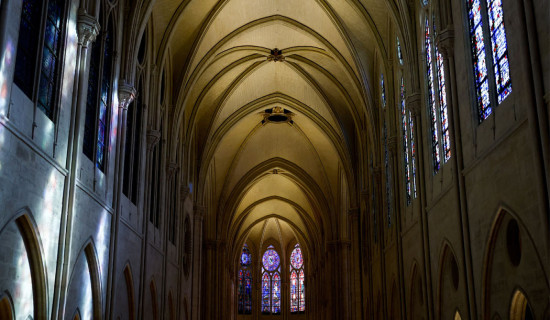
(277, 115)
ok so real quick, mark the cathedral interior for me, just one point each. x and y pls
(274, 159)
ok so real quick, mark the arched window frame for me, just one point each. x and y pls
(436, 94)
(407, 134)
(100, 93)
(134, 128)
(297, 288)
(40, 53)
(485, 19)
(387, 165)
(244, 282)
(270, 279)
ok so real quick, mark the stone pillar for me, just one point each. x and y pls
(445, 42)
(355, 269)
(87, 29)
(414, 103)
(198, 218)
(126, 94)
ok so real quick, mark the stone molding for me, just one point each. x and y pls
(126, 94)
(413, 102)
(87, 28)
(445, 42)
(153, 137)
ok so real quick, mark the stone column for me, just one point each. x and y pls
(356, 283)
(445, 42)
(198, 218)
(153, 137)
(414, 103)
(126, 94)
(87, 29)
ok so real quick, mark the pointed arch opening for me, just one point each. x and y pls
(297, 281)
(271, 281)
(6, 308)
(520, 308)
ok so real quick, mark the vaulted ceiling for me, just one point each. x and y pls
(229, 85)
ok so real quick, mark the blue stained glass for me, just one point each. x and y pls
(245, 256)
(500, 49)
(294, 299)
(479, 59)
(276, 292)
(270, 260)
(296, 258)
(443, 115)
(240, 290)
(266, 290)
(413, 154)
(383, 89)
(432, 100)
(296, 269)
(404, 127)
(399, 53)
(302, 292)
(27, 46)
(248, 293)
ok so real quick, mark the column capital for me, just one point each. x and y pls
(185, 191)
(87, 27)
(413, 103)
(153, 137)
(126, 94)
(172, 168)
(199, 211)
(445, 41)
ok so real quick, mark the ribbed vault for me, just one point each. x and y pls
(233, 66)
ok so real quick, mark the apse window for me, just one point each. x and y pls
(245, 282)
(297, 286)
(271, 282)
(488, 39)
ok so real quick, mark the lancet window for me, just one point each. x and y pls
(297, 281)
(487, 32)
(271, 282)
(39, 52)
(245, 282)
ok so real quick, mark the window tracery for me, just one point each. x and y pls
(271, 282)
(245, 282)
(480, 11)
(297, 285)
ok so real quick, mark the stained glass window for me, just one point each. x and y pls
(502, 87)
(297, 275)
(387, 174)
(399, 53)
(27, 52)
(436, 158)
(413, 154)
(443, 115)
(271, 282)
(404, 127)
(98, 101)
(383, 91)
(245, 282)
(500, 50)
(27, 45)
